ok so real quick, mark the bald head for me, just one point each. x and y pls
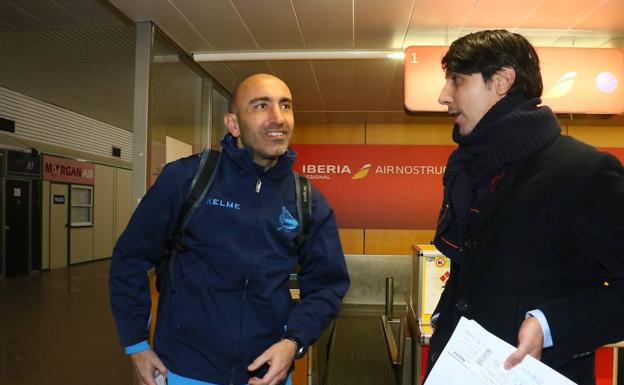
(251, 86)
(261, 118)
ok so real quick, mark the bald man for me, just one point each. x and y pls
(230, 319)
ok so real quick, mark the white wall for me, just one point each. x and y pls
(44, 122)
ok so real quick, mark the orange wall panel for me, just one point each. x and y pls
(329, 134)
(599, 136)
(428, 131)
(394, 242)
(352, 241)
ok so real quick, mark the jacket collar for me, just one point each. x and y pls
(243, 159)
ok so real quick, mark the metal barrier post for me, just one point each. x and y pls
(389, 296)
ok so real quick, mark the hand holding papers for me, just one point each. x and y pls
(475, 356)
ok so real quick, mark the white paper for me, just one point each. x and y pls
(475, 356)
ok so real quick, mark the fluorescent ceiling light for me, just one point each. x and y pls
(297, 55)
(396, 55)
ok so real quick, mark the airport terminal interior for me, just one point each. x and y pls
(96, 96)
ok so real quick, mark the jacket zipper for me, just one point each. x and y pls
(244, 295)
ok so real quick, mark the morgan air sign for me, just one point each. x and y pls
(68, 170)
(377, 186)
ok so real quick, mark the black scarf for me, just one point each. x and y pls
(513, 129)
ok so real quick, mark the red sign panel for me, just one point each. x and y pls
(378, 186)
(618, 152)
(583, 80)
(381, 186)
(68, 170)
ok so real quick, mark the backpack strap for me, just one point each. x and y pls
(200, 185)
(303, 193)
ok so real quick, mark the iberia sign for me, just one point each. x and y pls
(68, 170)
(381, 186)
(377, 186)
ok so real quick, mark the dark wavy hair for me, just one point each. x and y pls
(486, 52)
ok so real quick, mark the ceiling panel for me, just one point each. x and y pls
(300, 78)
(608, 16)
(280, 32)
(560, 14)
(435, 14)
(48, 12)
(4, 26)
(17, 17)
(168, 18)
(218, 23)
(222, 73)
(494, 14)
(381, 25)
(336, 80)
(326, 24)
(433, 24)
(244, 69)
(91, 12)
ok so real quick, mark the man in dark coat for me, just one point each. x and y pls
(532, 220)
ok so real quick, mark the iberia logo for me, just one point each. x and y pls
(362, 172)
(562, 87)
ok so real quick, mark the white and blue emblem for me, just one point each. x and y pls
(287, 221)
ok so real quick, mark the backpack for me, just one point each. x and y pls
(200, 185)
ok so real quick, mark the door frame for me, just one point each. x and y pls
(67, 222)
(29, 229)
(2, 228)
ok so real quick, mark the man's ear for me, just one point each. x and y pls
(231, 123)
(504, 80)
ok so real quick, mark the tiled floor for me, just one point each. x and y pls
(56, 328)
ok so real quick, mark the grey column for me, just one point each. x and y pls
(142, 67)
(206, 112)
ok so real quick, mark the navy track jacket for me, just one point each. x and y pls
(231, 299)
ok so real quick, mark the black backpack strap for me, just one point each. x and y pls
(199, 187)
(303, 192)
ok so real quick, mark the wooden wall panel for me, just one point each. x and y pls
(395, 242)
(329, 134)
(430, 131)
(599, 136)
(352, 241)
(45, 225)
(123, 200)
(81, 244)
(103, 212)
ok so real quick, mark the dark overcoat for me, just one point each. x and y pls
(551, 237)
